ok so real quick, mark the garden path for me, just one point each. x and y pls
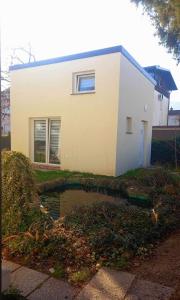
(107, 284)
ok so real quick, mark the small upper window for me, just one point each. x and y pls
(84, 83)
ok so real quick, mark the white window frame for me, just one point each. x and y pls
(47, 119)
(77, 76)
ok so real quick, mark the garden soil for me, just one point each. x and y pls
(163, 266)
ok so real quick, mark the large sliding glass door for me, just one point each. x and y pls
(47, 141)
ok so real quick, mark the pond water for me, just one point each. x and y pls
(61, 203)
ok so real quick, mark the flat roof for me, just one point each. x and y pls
(82, 55)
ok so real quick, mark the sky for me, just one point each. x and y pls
(62, 27)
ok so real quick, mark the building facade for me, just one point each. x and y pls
(89, 112)
(164, 85)
(174, 117)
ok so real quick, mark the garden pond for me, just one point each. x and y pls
(60, 203)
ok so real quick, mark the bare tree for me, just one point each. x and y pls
(5, 101)
(19, 55)
(5, 80)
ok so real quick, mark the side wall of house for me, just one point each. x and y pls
(136, 94)
(88, 121)
(160, 110)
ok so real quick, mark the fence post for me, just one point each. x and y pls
(175, 150)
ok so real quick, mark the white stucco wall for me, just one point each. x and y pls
(160, 110)
(136, 94)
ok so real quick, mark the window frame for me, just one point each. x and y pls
(76, 81)
(47, 119)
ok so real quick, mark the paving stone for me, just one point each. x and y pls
(107, 284)
(53, 289)
(6, 264)
(5, 279)
(90, 293)
(26, 280)
(146, 290)
(131, 297)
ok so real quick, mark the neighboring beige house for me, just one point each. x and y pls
(164, 85)
(90, 112)
(174, 117)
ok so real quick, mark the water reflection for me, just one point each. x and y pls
(61, 203)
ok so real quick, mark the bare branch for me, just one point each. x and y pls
(14, 54)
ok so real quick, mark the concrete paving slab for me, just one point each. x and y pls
(53, 289)
(6, 264)
(107, 284)
(91, 293)
(146, 290)
(131, 297)
(5, 279)
(26, 280)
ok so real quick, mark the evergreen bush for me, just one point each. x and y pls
(18, 191)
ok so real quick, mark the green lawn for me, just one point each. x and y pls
(136, 174)
(42, 176)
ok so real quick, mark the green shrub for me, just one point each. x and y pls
(59, 271)
(33, 241)
(80, 276)
(158, 178)
(23, 245)
(155, 177)
(18, 191)
(135, 173)
(113, 229)
(167, 208)
(109, 226)
(96, 235)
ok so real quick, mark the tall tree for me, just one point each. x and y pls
(165, 15)
(18, 55)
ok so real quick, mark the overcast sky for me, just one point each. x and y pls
(62, 27)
